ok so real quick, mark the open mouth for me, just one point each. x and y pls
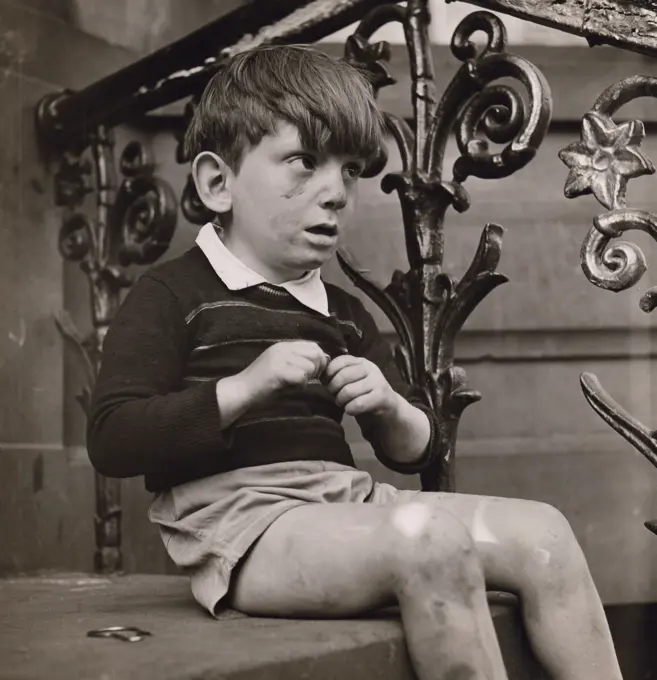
(323, 230)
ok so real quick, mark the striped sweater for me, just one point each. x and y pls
(154, 410)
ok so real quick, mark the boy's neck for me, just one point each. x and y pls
(275, 276)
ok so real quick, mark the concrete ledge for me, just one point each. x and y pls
(44, 623)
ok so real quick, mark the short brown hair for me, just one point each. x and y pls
(330, 102)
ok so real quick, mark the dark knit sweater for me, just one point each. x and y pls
(180, 330)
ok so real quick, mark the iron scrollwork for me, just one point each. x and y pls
(602, 163)
(134, 224)
(426, 305)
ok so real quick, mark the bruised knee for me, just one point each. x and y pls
(427, 544)
(547, 546)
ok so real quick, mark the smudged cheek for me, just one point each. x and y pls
(295, 188)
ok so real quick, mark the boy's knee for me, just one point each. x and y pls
(548, 543)
(430, 543)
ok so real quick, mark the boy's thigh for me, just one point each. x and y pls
(333, 559)
(319, 559)
(338, 559)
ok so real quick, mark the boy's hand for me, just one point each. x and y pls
(403, 430)
(360, 387)
(285, 364)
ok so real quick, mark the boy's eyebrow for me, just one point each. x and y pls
(290, 146)
(297, 148)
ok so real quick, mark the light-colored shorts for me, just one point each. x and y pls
(209, 524)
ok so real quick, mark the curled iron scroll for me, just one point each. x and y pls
(473, 104)
(145, 208)
(620, 265)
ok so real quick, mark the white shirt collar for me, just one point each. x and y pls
(309, 290)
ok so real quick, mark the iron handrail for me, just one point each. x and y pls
(66, 119)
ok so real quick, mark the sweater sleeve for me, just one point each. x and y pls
(376, 349)
(141, 420)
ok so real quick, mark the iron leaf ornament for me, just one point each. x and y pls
(371, 59)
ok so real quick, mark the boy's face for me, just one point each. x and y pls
(289, 205)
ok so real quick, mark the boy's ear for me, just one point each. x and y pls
(212, 177)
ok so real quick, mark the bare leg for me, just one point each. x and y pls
(529, 548)
(337, 560)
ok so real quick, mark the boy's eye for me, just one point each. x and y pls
(306, 161)
(354, 170)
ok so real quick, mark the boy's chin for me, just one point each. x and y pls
(314, 261)
(302, 269)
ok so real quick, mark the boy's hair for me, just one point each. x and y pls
(330, 102)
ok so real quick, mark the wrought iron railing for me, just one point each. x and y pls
(602, 163)
(135, 219)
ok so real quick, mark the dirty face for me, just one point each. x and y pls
(290, 205)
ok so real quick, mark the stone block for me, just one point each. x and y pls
(45, 623)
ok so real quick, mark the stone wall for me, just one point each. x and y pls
(47, 506)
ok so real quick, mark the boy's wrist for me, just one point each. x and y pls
(396, 408)
(235, 394)
(404, 431)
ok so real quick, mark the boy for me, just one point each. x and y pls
(226, 373)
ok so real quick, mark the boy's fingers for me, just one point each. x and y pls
(305, 347)
(359, 405)
(311, 351)
(339, 363)
(320, 363)
(352, 392)
(349, 374)
(320, 359)
(312, 367)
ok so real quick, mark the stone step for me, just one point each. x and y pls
(44, 622)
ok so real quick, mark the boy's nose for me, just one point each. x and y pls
(336, 201)
(334, 196)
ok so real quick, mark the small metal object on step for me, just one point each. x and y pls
(124, 633)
